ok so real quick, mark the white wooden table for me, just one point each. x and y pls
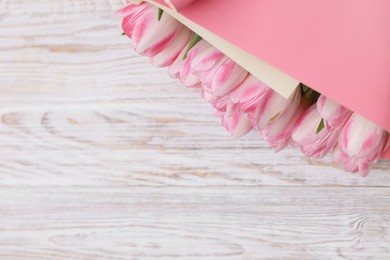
(103, 156)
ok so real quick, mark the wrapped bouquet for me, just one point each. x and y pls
(314, 75)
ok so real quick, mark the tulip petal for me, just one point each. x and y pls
(361, 144)
(334, 115)
(205, 64)
(168, 55)
(235, 122)
(186, 76)
(277, 129)
(276, 105)
(227, 77)
(249, 94)
(131, 13)
(305, 135)
(151, 36)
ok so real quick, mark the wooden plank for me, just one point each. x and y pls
(204, 223)
(152, 144)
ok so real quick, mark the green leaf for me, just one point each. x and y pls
(311, 96)
(274, 117)
(304, 88)
(123, 33)
(320, 126)
(195, 39)
(160, 12)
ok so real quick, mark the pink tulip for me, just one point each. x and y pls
(334, 115)
(361, 144)
(236, 107)
(181, 68)
(168, 55)
(207, 62)
(247, 97)
(234, 121)
(130, 14)
(304, 134)
(226, 77)
(220, 103)
(277, 117)
(186, 76)
(207, 96)
(175, 68)
(275, 105)
(249, 94)
(149, 35)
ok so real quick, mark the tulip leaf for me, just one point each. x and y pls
(195, 39)
(311, 96)
(160, 12)
(304, 88)
(274, 117)
(123, 33)
(320, 126)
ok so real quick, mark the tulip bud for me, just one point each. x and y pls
(186, 76)
(277, 118)
(130, 14)
(304, 134)
(220, 103)
(275, 105)
(226, 77)
(151, 36)
(334, 115)
(206, 63)
(361, 144)
(168, 55)
(181, 68)
(175, 68)
(234, 121)
(249, 94)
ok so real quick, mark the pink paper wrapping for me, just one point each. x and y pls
(179, 4)
(340, 48)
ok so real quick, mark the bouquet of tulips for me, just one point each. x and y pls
(307, 119)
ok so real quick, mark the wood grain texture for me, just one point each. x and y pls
(192, 222)
(105, 157)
